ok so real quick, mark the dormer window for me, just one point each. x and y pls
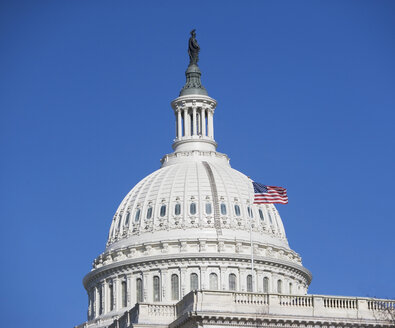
(127, 218)
(137, 215)
(208, 208)
(237, 210)
(223, 209)
(177, 209)
(163, 210)
(261, 215)
(270, 218)
(192, 208)
(149, 212)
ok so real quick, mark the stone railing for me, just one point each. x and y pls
(278, 304)
(375, 304)
(298, 301)
(206, 302)
(251, 298)
(340, 303)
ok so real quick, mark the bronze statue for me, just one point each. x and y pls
(193, 49)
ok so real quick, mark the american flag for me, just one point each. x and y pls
(269, 194)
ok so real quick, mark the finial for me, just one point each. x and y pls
(193, 49)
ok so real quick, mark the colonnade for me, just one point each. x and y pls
(124, 291)
(194, 121)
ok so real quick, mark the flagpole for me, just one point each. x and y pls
(252, 254)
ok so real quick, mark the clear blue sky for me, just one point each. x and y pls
(306, 100)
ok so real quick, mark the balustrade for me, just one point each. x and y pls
(340, 303)
(251, 298)
(303, 301)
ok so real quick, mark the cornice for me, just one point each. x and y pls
(126, 265)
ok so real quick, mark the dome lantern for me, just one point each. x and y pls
(194, 109)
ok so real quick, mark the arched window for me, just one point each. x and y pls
(175, 294)
(124, 294)
(213, 281)
(266, 285)
(177, 209)
(208, 208)
(139, 290)
(163, 210)
(156, 288)
(111, 290)
(261, 215)
(194, 281)
(290, 288)
(127, 219)
(279, 286)
(192, 208)
(223, 209)
(149, 212)
(100, 300)
(137, 216)
(232, 281)
(249, 283)
(250, 214)
(237, 210)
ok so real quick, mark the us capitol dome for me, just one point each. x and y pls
(190, 230)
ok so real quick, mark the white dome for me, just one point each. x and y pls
(193, 220)
(180, 200)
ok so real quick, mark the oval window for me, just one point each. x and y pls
(250, 212)
(237, 210)
(163, 210)
(223, 209)
(137, 216)
(177, 209)
(149, 212)
(261, 215)
(208, 208)
(192, 208)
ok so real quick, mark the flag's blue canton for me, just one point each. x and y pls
(259, 188)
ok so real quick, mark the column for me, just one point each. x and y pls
(203, 119)
(259, 281)
(145, 285)
(130, 290)
(164, 284)
(198, 122)
(94, 300)
(187, 123)
(115, 286)
(179, 127)
(242, 278)
(103, 297)
(194, 122)
(203, 277)
(90, 303)
(183, 280)
(223, 271)
(210, 124)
